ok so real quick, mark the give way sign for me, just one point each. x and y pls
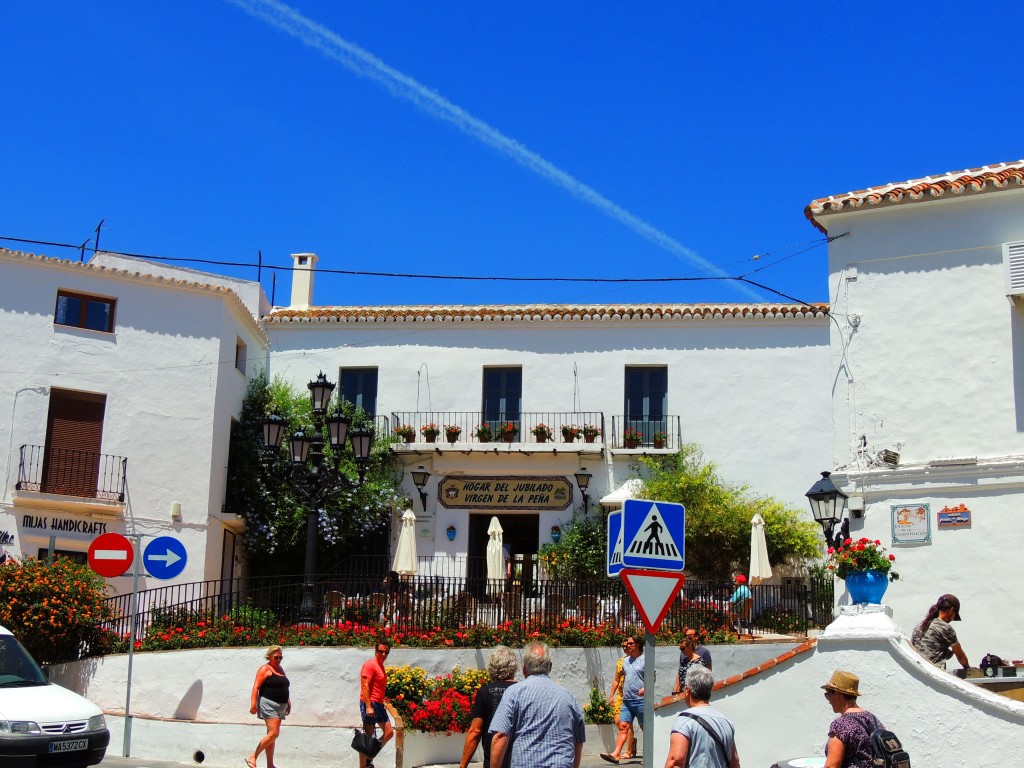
(110, 555)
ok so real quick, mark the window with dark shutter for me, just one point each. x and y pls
(74, 435)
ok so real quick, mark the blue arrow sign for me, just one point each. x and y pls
(614, 546)
(653, 535)
(164, 557)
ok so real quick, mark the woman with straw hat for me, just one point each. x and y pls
(849, 735)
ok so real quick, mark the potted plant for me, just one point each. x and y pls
(556, 533)
(450, 532)
(631, 438)
(591, 432)
(508, 431)
(484, 433)
(430, 432)
(452, 432)
(405, 431)
(865, 567)
(570, 432)
(660, 438)
(542, 432)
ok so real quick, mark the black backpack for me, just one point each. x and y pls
(889, 752)
(886, 745)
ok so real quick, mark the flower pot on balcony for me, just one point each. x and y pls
(453, 437)
(509, 437)
(630, 443)
(542, 438)
(659, 442)
(408, 438)
(430, 437)
(589, 438)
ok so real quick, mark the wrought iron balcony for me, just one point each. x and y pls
(71, 473)
(476, 427)
(646, 433)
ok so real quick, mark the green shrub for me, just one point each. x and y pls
(598, 709)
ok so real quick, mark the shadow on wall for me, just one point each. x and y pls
(188, 707)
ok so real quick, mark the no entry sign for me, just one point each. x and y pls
(111, 555)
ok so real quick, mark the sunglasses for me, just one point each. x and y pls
(385, 651)
(277, 658)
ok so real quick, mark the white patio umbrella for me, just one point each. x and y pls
(760, 568)
(495, 557)
(405, 552)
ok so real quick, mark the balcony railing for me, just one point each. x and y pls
(71, 473)
(469, 421)
(663, 432)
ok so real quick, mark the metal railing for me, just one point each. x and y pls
(663, 432)
(426, 602)
(590, 426)
(71, 473)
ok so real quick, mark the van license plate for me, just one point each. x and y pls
(68, 746)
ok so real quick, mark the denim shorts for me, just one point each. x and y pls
(632, 709)
(268, 709)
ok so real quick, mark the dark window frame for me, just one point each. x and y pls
(82, 321)
(360, 376)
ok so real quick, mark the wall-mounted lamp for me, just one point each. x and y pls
(419, 478)
(176, 512)
(827, 505)
(583, 481)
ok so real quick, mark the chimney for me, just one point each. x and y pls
(302, 280)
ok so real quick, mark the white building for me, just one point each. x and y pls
(928, 365)
(746, 382)
(119, 389)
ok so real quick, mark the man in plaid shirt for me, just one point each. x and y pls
(537, 719)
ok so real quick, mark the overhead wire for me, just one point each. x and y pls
(429, 276)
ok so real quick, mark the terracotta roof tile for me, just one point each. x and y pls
(990, 178)
(544, 312)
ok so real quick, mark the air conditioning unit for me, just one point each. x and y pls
(1013, 269)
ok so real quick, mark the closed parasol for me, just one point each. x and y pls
(405, 552)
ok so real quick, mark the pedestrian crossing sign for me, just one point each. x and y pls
(614, 544)
(653, 535)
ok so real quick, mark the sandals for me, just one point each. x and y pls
(609, 758)
(250, 762)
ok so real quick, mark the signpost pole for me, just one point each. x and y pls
(133, 612)
(649, 687)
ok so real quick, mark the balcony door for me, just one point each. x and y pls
(74, 434)
(503, 395)
(646, 400)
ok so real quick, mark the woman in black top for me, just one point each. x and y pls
(271, 702)
(501, 668)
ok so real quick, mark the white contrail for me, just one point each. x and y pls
(366, 64)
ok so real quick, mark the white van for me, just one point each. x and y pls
(42, 724)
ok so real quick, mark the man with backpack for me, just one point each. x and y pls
(702, 737)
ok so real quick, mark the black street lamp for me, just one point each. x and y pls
(826, 505)
(583, 481)
(419, 479)
(309, 475)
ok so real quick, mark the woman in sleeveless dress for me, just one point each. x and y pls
(271, 702)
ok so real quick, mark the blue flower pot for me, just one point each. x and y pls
(867, 586)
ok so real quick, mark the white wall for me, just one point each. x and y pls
(165, 378)
(927, 359)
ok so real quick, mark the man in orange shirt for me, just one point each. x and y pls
(372, 684)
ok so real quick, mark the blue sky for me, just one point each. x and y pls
(201, 130)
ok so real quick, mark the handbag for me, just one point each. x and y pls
(366, 743)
